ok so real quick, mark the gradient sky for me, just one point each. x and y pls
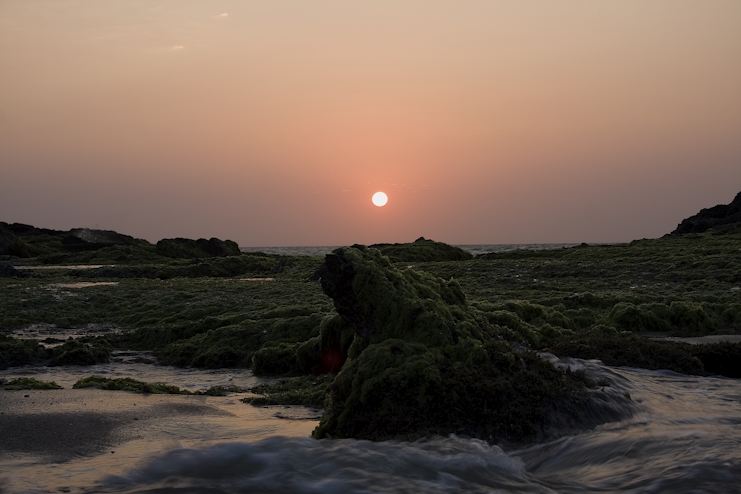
(272, 123)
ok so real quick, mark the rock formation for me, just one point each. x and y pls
(423, 362)
(723, 218)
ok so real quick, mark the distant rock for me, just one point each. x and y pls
(11, 245)
(422, 250)
(79, 239)
(21, 240)
(185, 248)
(723, 218)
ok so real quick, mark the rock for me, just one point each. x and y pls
(186, 248)
(723, 218)
(11, 245)
(8, 271)
(423, 250)
(423, 362)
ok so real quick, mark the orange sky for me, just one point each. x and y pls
(272, 123)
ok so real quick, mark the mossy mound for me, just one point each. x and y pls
(74, 352)
(627, 349)
(422, 250)
(310, 391)
(17, 351)
(128, 384)
(186, 248)
(29, 383)
(423, 362)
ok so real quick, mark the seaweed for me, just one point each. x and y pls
(422, 250)
(627, 349)
(424, 362)
(310, 391)
(29, 383)
(75, 352)
(18, 351)
(128, 384)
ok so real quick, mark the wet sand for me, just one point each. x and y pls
(70, 439)
(58, 425)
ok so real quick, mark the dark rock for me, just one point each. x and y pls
(11, 245)
(423, 362)
(422, 250)
(723, 218)
(8, 271)
(186, 248)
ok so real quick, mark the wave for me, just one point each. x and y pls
(683, 437)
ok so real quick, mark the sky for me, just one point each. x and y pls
(272, 123)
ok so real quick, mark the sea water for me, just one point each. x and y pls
(684, 436)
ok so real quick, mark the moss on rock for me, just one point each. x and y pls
(74, 352)
(128, 384)
(422, 250)
(29, 383)
(17, 351)
(424, 362)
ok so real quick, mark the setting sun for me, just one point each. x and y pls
(380, 199)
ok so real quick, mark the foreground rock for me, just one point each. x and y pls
(423, 362)
(723, 218)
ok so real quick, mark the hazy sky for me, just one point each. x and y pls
(274, 122)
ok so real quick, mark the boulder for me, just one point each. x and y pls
(422, 250)
(424, 362)
(186, 248)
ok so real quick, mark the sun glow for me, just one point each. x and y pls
(380, 199)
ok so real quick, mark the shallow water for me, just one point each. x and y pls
(684, 437)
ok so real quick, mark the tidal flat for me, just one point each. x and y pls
(259, 316)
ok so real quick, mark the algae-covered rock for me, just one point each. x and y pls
(422, 250)
(187, 248)
(423, 362)
(17, 351)
(74, 352)
(128, 384)
(22, 383)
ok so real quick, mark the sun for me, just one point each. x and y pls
(380, 199)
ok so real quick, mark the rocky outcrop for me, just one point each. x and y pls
(423, 362)
(21, 240)
(186, 248)
(422, 250)
(11, 245)
(723, 218)
(80, 239)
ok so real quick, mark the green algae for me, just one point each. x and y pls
(310, 391)
(76, 352)
(422, 250)
(424, 357)
(187, 248)
(28, 383)
(17, 351)
(128, 384)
